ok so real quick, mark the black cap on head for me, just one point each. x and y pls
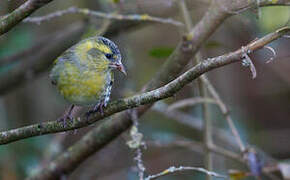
(113, 47)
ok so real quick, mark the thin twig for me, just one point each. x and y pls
(186, 15)
(87, 12)
(191, 102)
(225, 112)
(198, 147)
(172, 170)
(179, 116)
(247, 62)
(140, 164)
(137, 143)
(273, 51)
(256, 4)
(207, 127)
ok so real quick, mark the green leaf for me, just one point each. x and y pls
(161, 52)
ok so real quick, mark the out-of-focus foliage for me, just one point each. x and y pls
(160, 52)
(273, 18)
(20, 36)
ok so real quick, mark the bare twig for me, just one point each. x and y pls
(257, 4)
(190, 102)
(247, 62)
(186, 15)
(87, 12)
(172, 170)
(199, 148)
(207, 133)
(273, 51)
(10, 20)
(140, 165)
(137, 143)
(225, 112)
(177, 115)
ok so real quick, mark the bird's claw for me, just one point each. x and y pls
(64, 119)
(97, 108)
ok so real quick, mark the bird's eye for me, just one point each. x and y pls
(109, 56)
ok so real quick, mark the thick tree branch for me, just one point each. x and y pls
(111, 128)
(9, 21)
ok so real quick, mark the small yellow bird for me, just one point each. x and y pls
(83, 73)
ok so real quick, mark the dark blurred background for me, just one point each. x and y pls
(260, 107)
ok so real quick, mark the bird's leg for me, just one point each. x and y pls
(91, 111)
(97, 108)
(67, 115)
(101, 107)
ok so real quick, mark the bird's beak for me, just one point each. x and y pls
(118, 66)
(121, 68)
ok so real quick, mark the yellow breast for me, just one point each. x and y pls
(83, 87)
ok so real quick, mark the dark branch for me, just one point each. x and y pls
(98, 14)
(10, 20)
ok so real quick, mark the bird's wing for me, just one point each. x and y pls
(58, 65)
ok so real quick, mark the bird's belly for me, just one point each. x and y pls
(86, 88)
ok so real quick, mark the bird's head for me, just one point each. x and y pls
(113, 55)
(102, 53)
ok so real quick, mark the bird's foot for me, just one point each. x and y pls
(97, 108)
(66, 116)
(64, 119)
